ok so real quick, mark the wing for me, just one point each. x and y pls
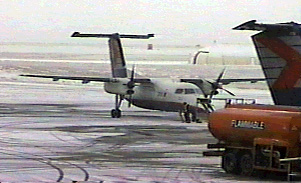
(252, 80)
(85, 79)
(198, 82)
(209, 88)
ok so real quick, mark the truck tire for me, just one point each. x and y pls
(246, 164)
(229, 163)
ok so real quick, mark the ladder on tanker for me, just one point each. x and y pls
(289, 161)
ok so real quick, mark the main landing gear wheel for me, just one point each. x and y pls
(116, 113)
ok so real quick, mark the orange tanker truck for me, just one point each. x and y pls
(257, 137)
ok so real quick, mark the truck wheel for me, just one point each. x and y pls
(229, 163)
(246, 164)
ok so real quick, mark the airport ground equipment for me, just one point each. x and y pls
(255, 138)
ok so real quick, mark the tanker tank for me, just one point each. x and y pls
(241, 124)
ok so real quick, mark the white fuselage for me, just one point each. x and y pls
(161, 94)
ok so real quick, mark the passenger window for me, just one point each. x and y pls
(189, 91)
(179, 91)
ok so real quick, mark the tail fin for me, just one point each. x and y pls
(117, 58)
(116, 52)
(278, 47)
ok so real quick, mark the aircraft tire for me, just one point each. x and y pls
(115, 113)
(118, 113)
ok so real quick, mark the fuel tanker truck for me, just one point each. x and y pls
(257, 137)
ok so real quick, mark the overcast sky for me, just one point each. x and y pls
(190, 22)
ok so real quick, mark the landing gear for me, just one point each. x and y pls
(116, 113)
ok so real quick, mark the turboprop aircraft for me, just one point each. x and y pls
(278, 47)
(156, 94)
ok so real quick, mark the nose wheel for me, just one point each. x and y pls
(116, 113)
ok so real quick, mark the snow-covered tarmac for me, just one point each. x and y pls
(63, 132)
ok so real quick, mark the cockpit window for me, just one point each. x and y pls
(189, 91)
(179, 91)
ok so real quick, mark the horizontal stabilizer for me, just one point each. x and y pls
(130, 36)
(284, 27)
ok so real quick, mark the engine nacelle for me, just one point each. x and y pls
(119, 87)
(207, 88)
(130, 92)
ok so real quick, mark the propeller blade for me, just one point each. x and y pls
(216, 85)
(209, 82)
(131, 83)
(220, 76)
(133, 73)
(130, 101)
(228, 92)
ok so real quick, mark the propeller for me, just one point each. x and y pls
(131, 85)
(228, 91)
(216, 85)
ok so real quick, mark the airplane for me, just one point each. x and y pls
(163, 94)
(226, 54)
(278, 47)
